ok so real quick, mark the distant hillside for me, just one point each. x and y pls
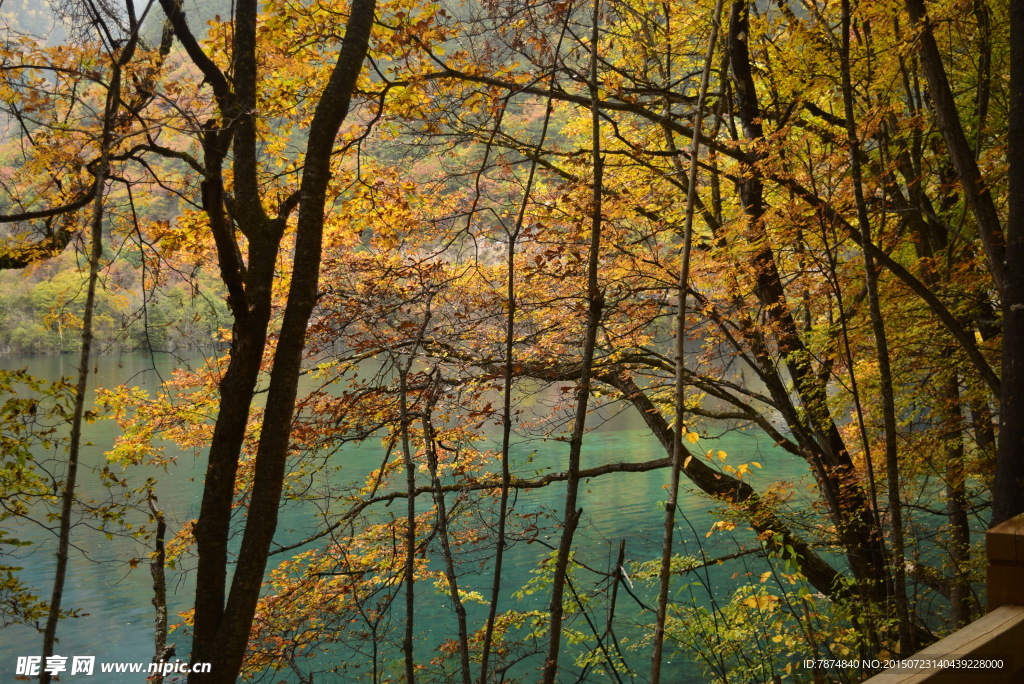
(41, 307)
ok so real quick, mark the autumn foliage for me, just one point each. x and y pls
(406, 241)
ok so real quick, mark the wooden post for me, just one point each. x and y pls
(1004, 545)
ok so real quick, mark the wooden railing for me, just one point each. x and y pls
(996, 637)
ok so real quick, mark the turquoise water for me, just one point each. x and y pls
(115, 599)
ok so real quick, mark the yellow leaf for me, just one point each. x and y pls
(721, 455)
(692, 437)
(760, 602)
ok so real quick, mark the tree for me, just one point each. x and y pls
(118, 53)
(511, 204)
(223, 618)
(783, 352)
(1007, 489)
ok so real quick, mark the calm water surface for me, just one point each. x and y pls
(117, 622)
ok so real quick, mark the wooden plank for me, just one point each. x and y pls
(998, 635)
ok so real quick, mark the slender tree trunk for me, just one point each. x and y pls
(881, 345)
(595, 300)
(868, 626)
(508, 372)
(405, 417)
(409, 578)
(430, 446)
(609, 625)
(111, 108)
(156, 569)
(984, 91)
(960, 595)
(678, 450)
(506, 434)
(74, 447)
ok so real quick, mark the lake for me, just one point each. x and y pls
(114, 598)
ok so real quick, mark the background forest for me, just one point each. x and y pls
(459, 236)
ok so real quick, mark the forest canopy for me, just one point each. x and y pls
(390, 221)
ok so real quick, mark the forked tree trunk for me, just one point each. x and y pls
(223, 619)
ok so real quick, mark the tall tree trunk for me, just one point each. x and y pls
(960, 594)
(405, 418)
(822, 441)
(899, 592)
(1008, 484)
(221, 628)
(409, 575)
(161, 652)
(506, 426)
(508, 372)
(595, 301)
(679, 452)
(248, 282)
(74, 447)
(111, 109)
(430, 446)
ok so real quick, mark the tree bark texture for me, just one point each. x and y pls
(1008, 485)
